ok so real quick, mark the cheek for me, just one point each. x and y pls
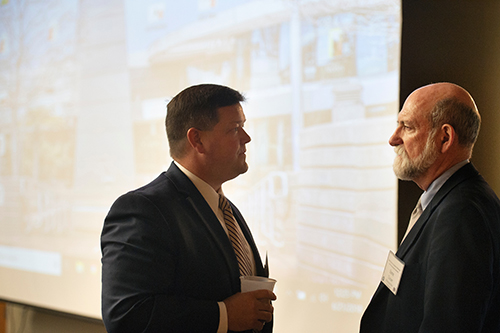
(414, 147)
(228, 147)
(414, 154)
(234, 143)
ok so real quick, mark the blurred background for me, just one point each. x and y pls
(83, 90)
(83, 87)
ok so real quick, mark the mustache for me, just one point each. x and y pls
(400, 150)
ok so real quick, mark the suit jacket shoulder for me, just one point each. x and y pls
(452, 265)
(167, 261)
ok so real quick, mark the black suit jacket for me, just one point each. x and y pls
(451, 278)
(166, 260)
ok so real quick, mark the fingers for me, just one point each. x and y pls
(265, 305)
(265, 316)
(265, 311)
(264, 294)
(249, 310)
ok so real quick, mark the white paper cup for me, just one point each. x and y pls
(251, 283)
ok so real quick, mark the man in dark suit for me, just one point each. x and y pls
(168, 264)
(450, 281)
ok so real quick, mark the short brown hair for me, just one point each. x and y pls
(196, 106)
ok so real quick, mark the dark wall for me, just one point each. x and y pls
(456, 41)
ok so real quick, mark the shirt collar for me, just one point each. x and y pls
(207, 191)
(427, 196)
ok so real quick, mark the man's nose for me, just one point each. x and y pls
(395, 139)
(246, 137)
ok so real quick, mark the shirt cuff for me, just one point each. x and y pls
(222, 318)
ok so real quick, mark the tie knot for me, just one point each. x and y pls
(415, 215)
(418, 207)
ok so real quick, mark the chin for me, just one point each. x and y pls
(238, 170)
(399, 171)
(244, 168)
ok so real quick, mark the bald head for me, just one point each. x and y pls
(435, 92)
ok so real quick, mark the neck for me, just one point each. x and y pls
(199, 171)
(436, 170)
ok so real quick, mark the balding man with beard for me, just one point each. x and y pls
(445, 277)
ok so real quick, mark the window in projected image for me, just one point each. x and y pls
(83, 89)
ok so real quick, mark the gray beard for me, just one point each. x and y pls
(407, 169)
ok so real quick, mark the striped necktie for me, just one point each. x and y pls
(236, 237)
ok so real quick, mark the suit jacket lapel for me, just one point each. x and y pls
(211, 222)
(205, 214)
(462, 174)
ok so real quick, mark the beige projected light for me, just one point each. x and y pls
(83, 90)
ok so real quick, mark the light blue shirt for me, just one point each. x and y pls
(427, 196)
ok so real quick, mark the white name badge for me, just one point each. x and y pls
(392, 272)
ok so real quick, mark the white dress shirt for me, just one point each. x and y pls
(212, 198)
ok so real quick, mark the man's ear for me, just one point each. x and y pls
(447, 137)
(194, 137)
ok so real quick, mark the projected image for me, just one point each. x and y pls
(83, 90)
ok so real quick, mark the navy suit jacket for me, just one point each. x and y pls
(451, 278)
(166, 260)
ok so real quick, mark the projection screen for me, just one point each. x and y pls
(83, 90)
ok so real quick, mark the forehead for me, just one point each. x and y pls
(231, 114)
(416, 109)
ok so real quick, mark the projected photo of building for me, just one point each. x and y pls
(84, 123)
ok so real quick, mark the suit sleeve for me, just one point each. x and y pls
(139, 292)
(459, 279)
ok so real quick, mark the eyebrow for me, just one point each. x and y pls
(405, 122)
